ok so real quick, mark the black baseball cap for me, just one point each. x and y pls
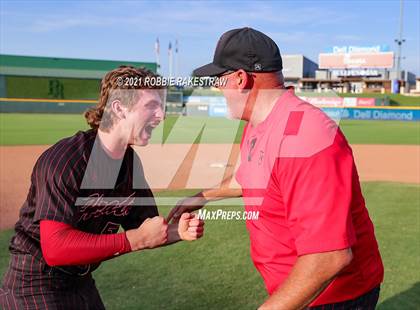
(243, 48)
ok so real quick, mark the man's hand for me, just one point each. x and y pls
(190, 227)
(198, 201)
(188, 205)
(153, 232)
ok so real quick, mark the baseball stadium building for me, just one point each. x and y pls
(297, 67)
(56, 78)
(356, 69)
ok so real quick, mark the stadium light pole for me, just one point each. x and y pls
(400, 40)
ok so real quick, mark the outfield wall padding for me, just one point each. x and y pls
(61, 107)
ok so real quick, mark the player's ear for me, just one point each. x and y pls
(243, 80)
(118, 109)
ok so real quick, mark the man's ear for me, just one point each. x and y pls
(243, 80)
(118, 109)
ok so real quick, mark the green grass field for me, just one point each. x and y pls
(216, 272)
(26, 129)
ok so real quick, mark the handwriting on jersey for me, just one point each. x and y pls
(96, 205)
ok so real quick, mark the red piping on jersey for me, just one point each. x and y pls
(62, 244)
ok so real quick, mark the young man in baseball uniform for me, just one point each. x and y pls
(313, 243)
(83, 189)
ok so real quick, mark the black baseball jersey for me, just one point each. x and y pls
(77, 183)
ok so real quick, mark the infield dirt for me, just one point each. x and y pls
(396, 163)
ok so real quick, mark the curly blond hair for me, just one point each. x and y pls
(113, 89)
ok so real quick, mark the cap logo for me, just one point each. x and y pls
(257, 67)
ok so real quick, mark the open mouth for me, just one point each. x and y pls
(149, 129)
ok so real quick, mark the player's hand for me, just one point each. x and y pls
(153, 232)
(190, 227)
(188, 205)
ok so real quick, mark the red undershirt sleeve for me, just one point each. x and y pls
(62, 244)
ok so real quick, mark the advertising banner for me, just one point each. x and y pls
(382, 60)
(384, 114)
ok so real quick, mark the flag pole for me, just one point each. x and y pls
(157, 52)
(170, 59)
(176, 58)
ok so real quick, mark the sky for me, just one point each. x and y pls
(127, 30)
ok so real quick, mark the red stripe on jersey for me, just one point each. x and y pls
(59, 161)
(32, 287)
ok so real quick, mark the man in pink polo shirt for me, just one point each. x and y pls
(313, 242)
